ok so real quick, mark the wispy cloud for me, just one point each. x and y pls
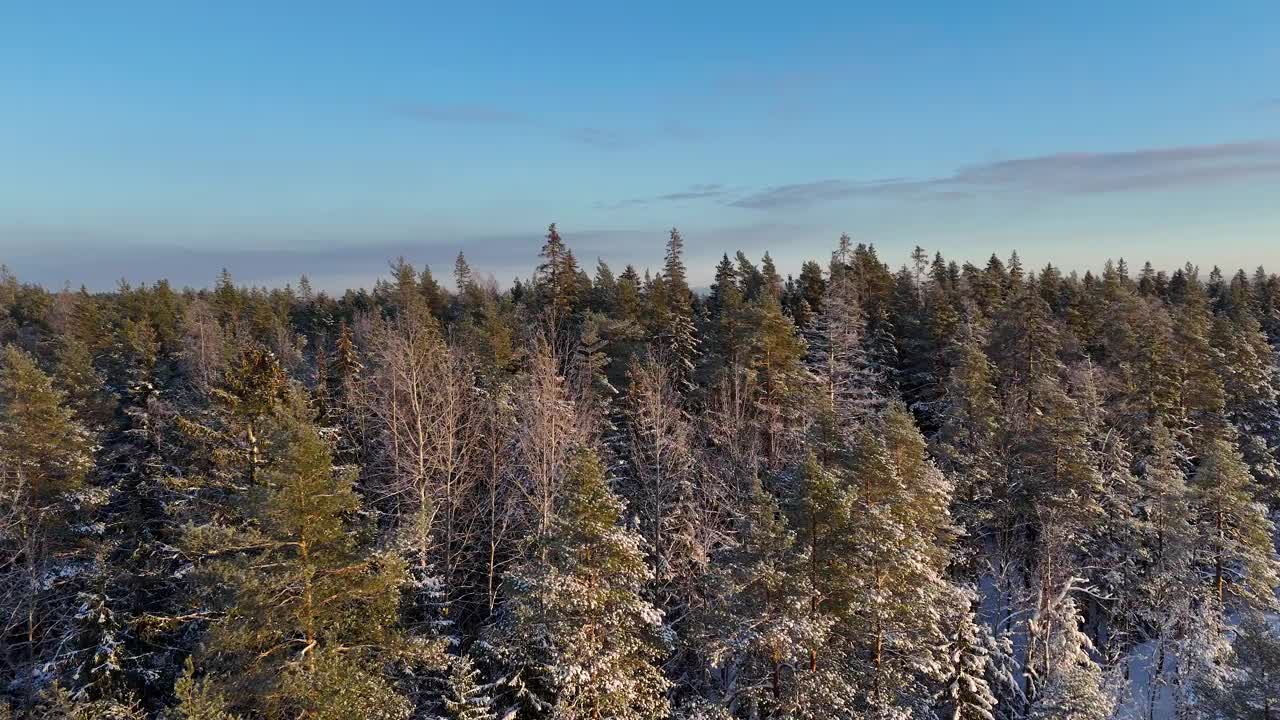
(1059, 174)
(693, 192)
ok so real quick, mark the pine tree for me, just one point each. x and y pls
(906, 531)
(967, 444)
(575, 635)
(878, 534)
(57, 703)
(43, 461)
(249, 393)
(309, 621)
(196, 699)
(775, 358)
(1234, 537)
(765, 641)
(1251, 384)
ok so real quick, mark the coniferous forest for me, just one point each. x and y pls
(880, 488)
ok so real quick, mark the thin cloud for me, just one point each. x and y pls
(693, 192)
(617, 139)
(1056, 174)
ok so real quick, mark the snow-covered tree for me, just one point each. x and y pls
(465, 696)
(575, 637)
(1234, 549)
(837, 355)
(966, 694)
(44, 456)
(1072, 686)
(1248, 687)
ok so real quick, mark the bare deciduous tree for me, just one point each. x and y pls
(421, 397)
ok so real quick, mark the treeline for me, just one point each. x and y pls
(950, 491)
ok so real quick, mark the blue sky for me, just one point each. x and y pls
(149, 139)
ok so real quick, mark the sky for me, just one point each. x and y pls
(142, 140)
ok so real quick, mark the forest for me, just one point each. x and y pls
(917, 488)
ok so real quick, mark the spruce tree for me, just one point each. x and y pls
(965, 692)
(837, 355)
(1165, 541)
(1249, 688)
(1201, 410)
(1073, 685)
(465, 697)
(557, 278)
(674, 321)
(726, 322)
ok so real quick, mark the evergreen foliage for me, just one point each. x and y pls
(961, 490)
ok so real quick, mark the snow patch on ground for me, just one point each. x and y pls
(1148, 695)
